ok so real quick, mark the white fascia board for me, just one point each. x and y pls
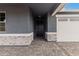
(58, 8)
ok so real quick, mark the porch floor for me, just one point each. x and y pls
(41, 48)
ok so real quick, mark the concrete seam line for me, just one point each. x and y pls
(65, 51)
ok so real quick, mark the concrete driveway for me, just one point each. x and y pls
(41, 48)
(71, 48)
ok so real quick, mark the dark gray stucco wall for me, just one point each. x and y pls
(18, 18)
(51, 23)
(31, 22)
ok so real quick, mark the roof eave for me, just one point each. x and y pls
(58, 8)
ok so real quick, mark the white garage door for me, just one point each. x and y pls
(68, 29)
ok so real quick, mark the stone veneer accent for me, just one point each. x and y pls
(16, 39)
(51, 36)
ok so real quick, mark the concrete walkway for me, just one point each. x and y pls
(41, 48)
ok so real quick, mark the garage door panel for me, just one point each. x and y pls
(68, 31)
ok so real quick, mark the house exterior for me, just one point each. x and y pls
(21, 23)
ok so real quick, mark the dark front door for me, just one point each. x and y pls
(39, 27)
